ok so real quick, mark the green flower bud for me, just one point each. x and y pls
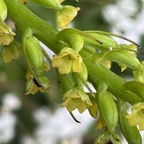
(135, 87)
(33, 53)
(3, 10)
(107, 108)
(52, 4)
(74, 40)
(105, 41)
(123, 57)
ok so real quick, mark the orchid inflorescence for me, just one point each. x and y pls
(80, 57)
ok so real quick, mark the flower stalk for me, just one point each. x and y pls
(80, 57)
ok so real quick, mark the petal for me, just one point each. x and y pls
(66, 95)
(6, 55)
(85, 97)
(66, 50)
(74, 94)
(65, 68)
(77, 66)
(57, 61)
(69, 104)
(81, 106)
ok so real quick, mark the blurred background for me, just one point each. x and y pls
(39, 119)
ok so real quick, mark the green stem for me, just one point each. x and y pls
(25, 19)
(114, 82)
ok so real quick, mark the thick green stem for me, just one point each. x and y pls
(24, 19)
(114, 82)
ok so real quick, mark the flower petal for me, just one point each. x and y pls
(65, 68)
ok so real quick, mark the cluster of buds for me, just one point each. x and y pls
(100, 49)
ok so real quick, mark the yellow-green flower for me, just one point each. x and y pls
(76, 99)
(67, 61)
(12, 51)
(66, 15)
(39, 83)
(6, 34)
(106, 138)
(32, 86)
(137, 116)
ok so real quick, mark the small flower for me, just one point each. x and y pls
(38, 82)
(76, 99)
(32, 86)
(67, 61)
(12, 51)
(65, 15)
(106, 138)
(137, 116)
(6, 34)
